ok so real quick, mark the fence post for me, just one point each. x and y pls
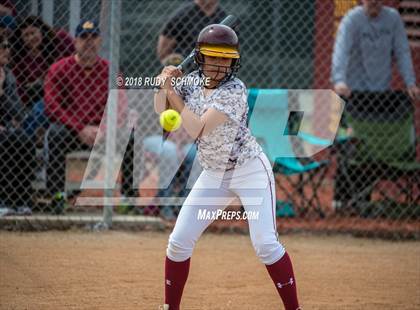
(111, 112)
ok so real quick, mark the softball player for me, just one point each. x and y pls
(233, 164)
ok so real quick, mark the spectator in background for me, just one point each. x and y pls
(76, 93)
(36, 47)
(368, 37)
(7, 25)
(176, 40)
(7, 18)
(180, 152)
(17, 151)
(181, 31)
(7, 8)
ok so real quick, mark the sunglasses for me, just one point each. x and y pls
(84, 36)
(5, 45)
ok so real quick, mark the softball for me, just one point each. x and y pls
(170, 120)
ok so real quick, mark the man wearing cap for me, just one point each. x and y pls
(76, 92)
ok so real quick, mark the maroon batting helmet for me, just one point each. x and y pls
(218, 41)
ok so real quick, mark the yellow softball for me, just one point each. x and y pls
(170, 120)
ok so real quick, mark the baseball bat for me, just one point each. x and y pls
(231, 21)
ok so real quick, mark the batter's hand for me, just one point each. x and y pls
(413, 92)
(166, 76)
(342, 89)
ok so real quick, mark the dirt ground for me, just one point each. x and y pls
(119, 270)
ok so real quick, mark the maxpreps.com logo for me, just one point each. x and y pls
(206, 215)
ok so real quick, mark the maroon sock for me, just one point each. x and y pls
(176, 274)
(282, 274)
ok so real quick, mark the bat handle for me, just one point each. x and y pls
(183, 65)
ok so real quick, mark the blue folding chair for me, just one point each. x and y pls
(269, 122)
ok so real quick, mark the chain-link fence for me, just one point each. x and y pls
(55, 95)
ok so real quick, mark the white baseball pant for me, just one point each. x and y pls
(253, 183)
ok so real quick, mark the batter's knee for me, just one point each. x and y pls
(179, 250)
(268, 250)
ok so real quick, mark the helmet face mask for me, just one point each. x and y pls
(217, 41)
(223, 72)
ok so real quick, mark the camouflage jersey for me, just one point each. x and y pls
(230, 144)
